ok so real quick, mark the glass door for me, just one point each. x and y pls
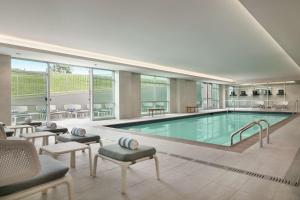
(69, 92)
(102, 91)
(28, 91)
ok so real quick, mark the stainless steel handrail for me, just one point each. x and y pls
(250, 125)
(268, 128)
(247, 126)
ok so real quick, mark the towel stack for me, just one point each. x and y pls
(78, 132)
(51, 125)
(128, 143)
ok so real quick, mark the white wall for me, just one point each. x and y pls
(5, 89)
(127, 95)
(222, 95)
(182, 94)
(292, 92)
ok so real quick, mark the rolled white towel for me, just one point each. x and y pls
(28, 119)
(51, 125)
(129, 143)
(78, 132)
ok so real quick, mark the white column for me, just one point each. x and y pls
(127, 95)
(222, 95)
(5, 89)
(183, 94)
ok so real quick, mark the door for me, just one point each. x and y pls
(69, 92)
(103, 105)
(28, 90)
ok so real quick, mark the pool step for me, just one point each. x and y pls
(237, 170)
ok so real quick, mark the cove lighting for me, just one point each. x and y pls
(20, 42)
(268, 83)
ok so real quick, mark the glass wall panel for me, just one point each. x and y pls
(154, 93)
(103, 94)
(215, 96)
(208, 95)
(69, 91)
(199, 94)
(28, 90)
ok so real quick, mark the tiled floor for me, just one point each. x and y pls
(184, 179)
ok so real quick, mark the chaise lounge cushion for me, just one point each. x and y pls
(52, 130)
(119, 153)
(9, 132)
(50, 170)
(81, 139)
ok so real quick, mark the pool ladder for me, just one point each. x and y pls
(250, 125)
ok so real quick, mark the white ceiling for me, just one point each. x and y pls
(217, 37)
(281, 18)
(24, 53)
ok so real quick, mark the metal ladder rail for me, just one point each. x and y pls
(247, 126)
(268, 128)
(250, 125)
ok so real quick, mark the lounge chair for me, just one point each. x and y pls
(19, 112)
(55, 113)
(259, 104)
(24, 173)
(87, 139)
(100, 110)
(42, 110)
(72, 109)
(283, 105)
(125, 157)
(108, 107)
(8, 132)
(146, 106)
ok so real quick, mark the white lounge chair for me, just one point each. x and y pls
(283, 105)
(259, 104)
(72, 109)
(24, 173)
(125, 157)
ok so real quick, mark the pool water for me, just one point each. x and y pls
(213, 128)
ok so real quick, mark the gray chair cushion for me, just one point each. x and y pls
(85, 139)
(117, 152)
(9, 132)
(33, 123)
(52, 130)
(50, 170)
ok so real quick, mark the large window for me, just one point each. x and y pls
(215, 96)
(199, 94)
(208, 95)
(28, 90)
(154, 93)
(69, 91)
(52, 91)
(103, 90)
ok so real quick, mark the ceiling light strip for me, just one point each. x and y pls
(9, 40)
